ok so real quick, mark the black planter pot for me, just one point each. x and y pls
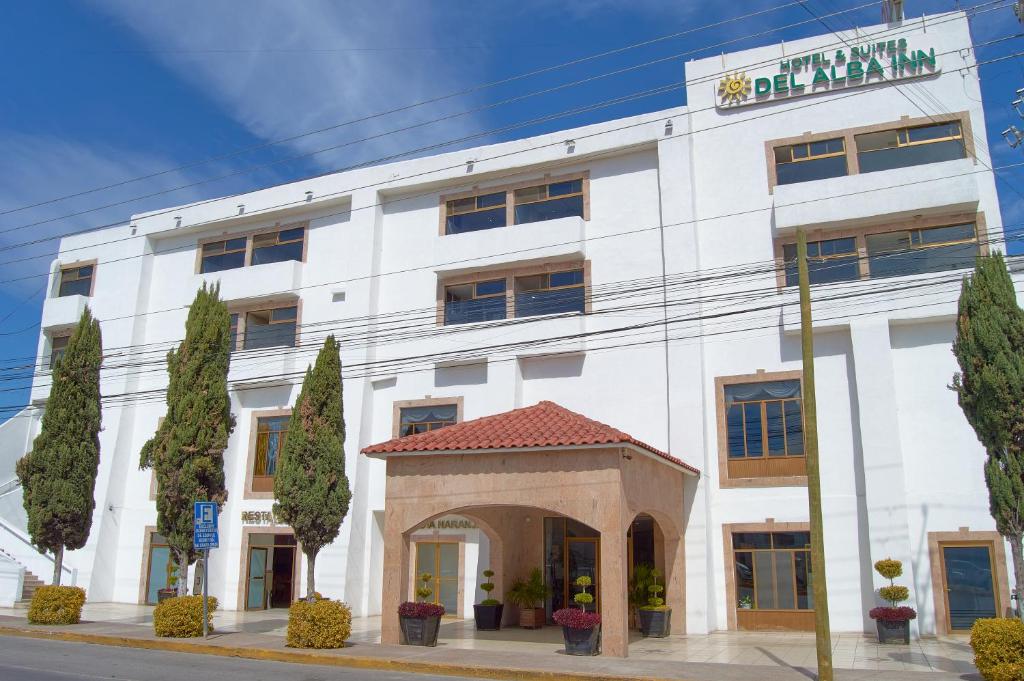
(488, 617)
(582, 641)
(893, 632)
(419, 631)
(656, 623)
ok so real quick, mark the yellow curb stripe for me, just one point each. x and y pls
(356, 662)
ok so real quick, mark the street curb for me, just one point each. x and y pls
(380, 664)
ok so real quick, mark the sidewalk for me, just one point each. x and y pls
(521, 654)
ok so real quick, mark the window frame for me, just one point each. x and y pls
(250, 239)
(247, 490)
(242, 311)
(816, 157)
(399, 405)
(76, 266)
(52, 339)
(778, 471)
(510, 204)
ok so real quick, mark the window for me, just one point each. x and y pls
(905, 147)
(58, 345)
(827, 261)
(475, 302)
(223, 255)
(764, 419)
(271, 433)
(773, 570)
(475, 213)
(76, 281)
(810, 161)
(233, 332)
(270, 328)
(549, 201)
(550, 293)
(257, 249)
(918, 251)
(413, 420)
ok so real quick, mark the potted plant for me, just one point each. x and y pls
(746, 602)
(171, 590)
(528, 595)
(638, 583)
(892, 622)
(421, 621)
(655, 617)
(581, 630)
(487, 612)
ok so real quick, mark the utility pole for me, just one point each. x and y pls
(822, 634)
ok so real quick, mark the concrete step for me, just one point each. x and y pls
(28, 589)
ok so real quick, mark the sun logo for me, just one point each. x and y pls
(734, 88)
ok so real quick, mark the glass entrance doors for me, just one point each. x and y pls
(584, 560)
(970, 591)
(270, 571)
(256, 592)
(441, 561)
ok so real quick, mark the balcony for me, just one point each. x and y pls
(947, 187)
(63, 312)
(257, 281)
(563, 238)
(266, 367)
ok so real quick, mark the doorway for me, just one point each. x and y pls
(969, 584)
(584, 555)
(270, 571)
(571, 550)
(440, 560)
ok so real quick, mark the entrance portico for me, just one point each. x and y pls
(508, 472)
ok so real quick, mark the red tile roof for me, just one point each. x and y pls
(544, 425)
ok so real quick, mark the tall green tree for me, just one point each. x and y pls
(310, 487)
(187, 451)
(58, 476)
(989, 346)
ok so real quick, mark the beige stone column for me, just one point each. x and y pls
(675, 580)
(396, 578)
(614, 597)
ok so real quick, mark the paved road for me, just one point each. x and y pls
(25, 659)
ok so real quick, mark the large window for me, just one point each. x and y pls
(550, 293)
(58, 346)
(917, 251)
(413, 420)
(764, 419)
(549, 201)
(903, 147)
(479, 301)
(773, 570)
(827, 261)
(271, 433)
(810, 161)
(475, 213)
(76, 281)
(257, 249)
(264, 328)
(497, 208)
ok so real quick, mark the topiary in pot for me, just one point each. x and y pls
(528, 595)
(892, 622)
(487, 613)
(655, 617)
(581, 630)
(420, 622)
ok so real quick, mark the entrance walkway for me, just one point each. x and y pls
(713, 656)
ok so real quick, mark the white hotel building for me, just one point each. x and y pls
(632, 271)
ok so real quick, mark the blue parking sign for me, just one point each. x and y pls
(204, 525)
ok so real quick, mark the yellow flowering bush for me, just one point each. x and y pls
(56, 605)
(999, 648)
(182, 617)
(321, 623)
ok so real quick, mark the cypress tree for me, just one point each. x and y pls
(310, 488)
(989, 347)
(59, 475)
(187, 451)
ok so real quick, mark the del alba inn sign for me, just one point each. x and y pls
(865, 64)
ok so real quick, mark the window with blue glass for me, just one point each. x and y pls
(474, 213)
(905, 147)
(278, 246)
(550, 293)
(479, 301)
(808, 161)
(258, 249)
(269, 328)
(223, 255)
(828, 261)
(918, 251)
(271, 433)
(764, 419)
(549, 201)
(76, 281)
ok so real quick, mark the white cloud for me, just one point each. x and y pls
(281, 68)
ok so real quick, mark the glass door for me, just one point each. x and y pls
(583, 556)
(970, 591)
(256, 593)
(160, 568)
(441, 561)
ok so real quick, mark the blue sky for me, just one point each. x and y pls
(103, 91)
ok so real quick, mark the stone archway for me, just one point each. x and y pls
(669, 559)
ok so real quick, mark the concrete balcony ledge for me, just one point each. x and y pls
(64, 312)
(547, 240)
(259, 281)
(948, 187)
(266, 367)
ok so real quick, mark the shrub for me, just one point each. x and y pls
(574, 618)
(487, 587)
(889, 568)
(998, 646)
(420, 610)
(655, 601)
(424, 591)
(894, 593)
(888, 614)
(56, 605)
(321, 623)
(182, 617)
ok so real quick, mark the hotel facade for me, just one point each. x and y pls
(580, 352)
